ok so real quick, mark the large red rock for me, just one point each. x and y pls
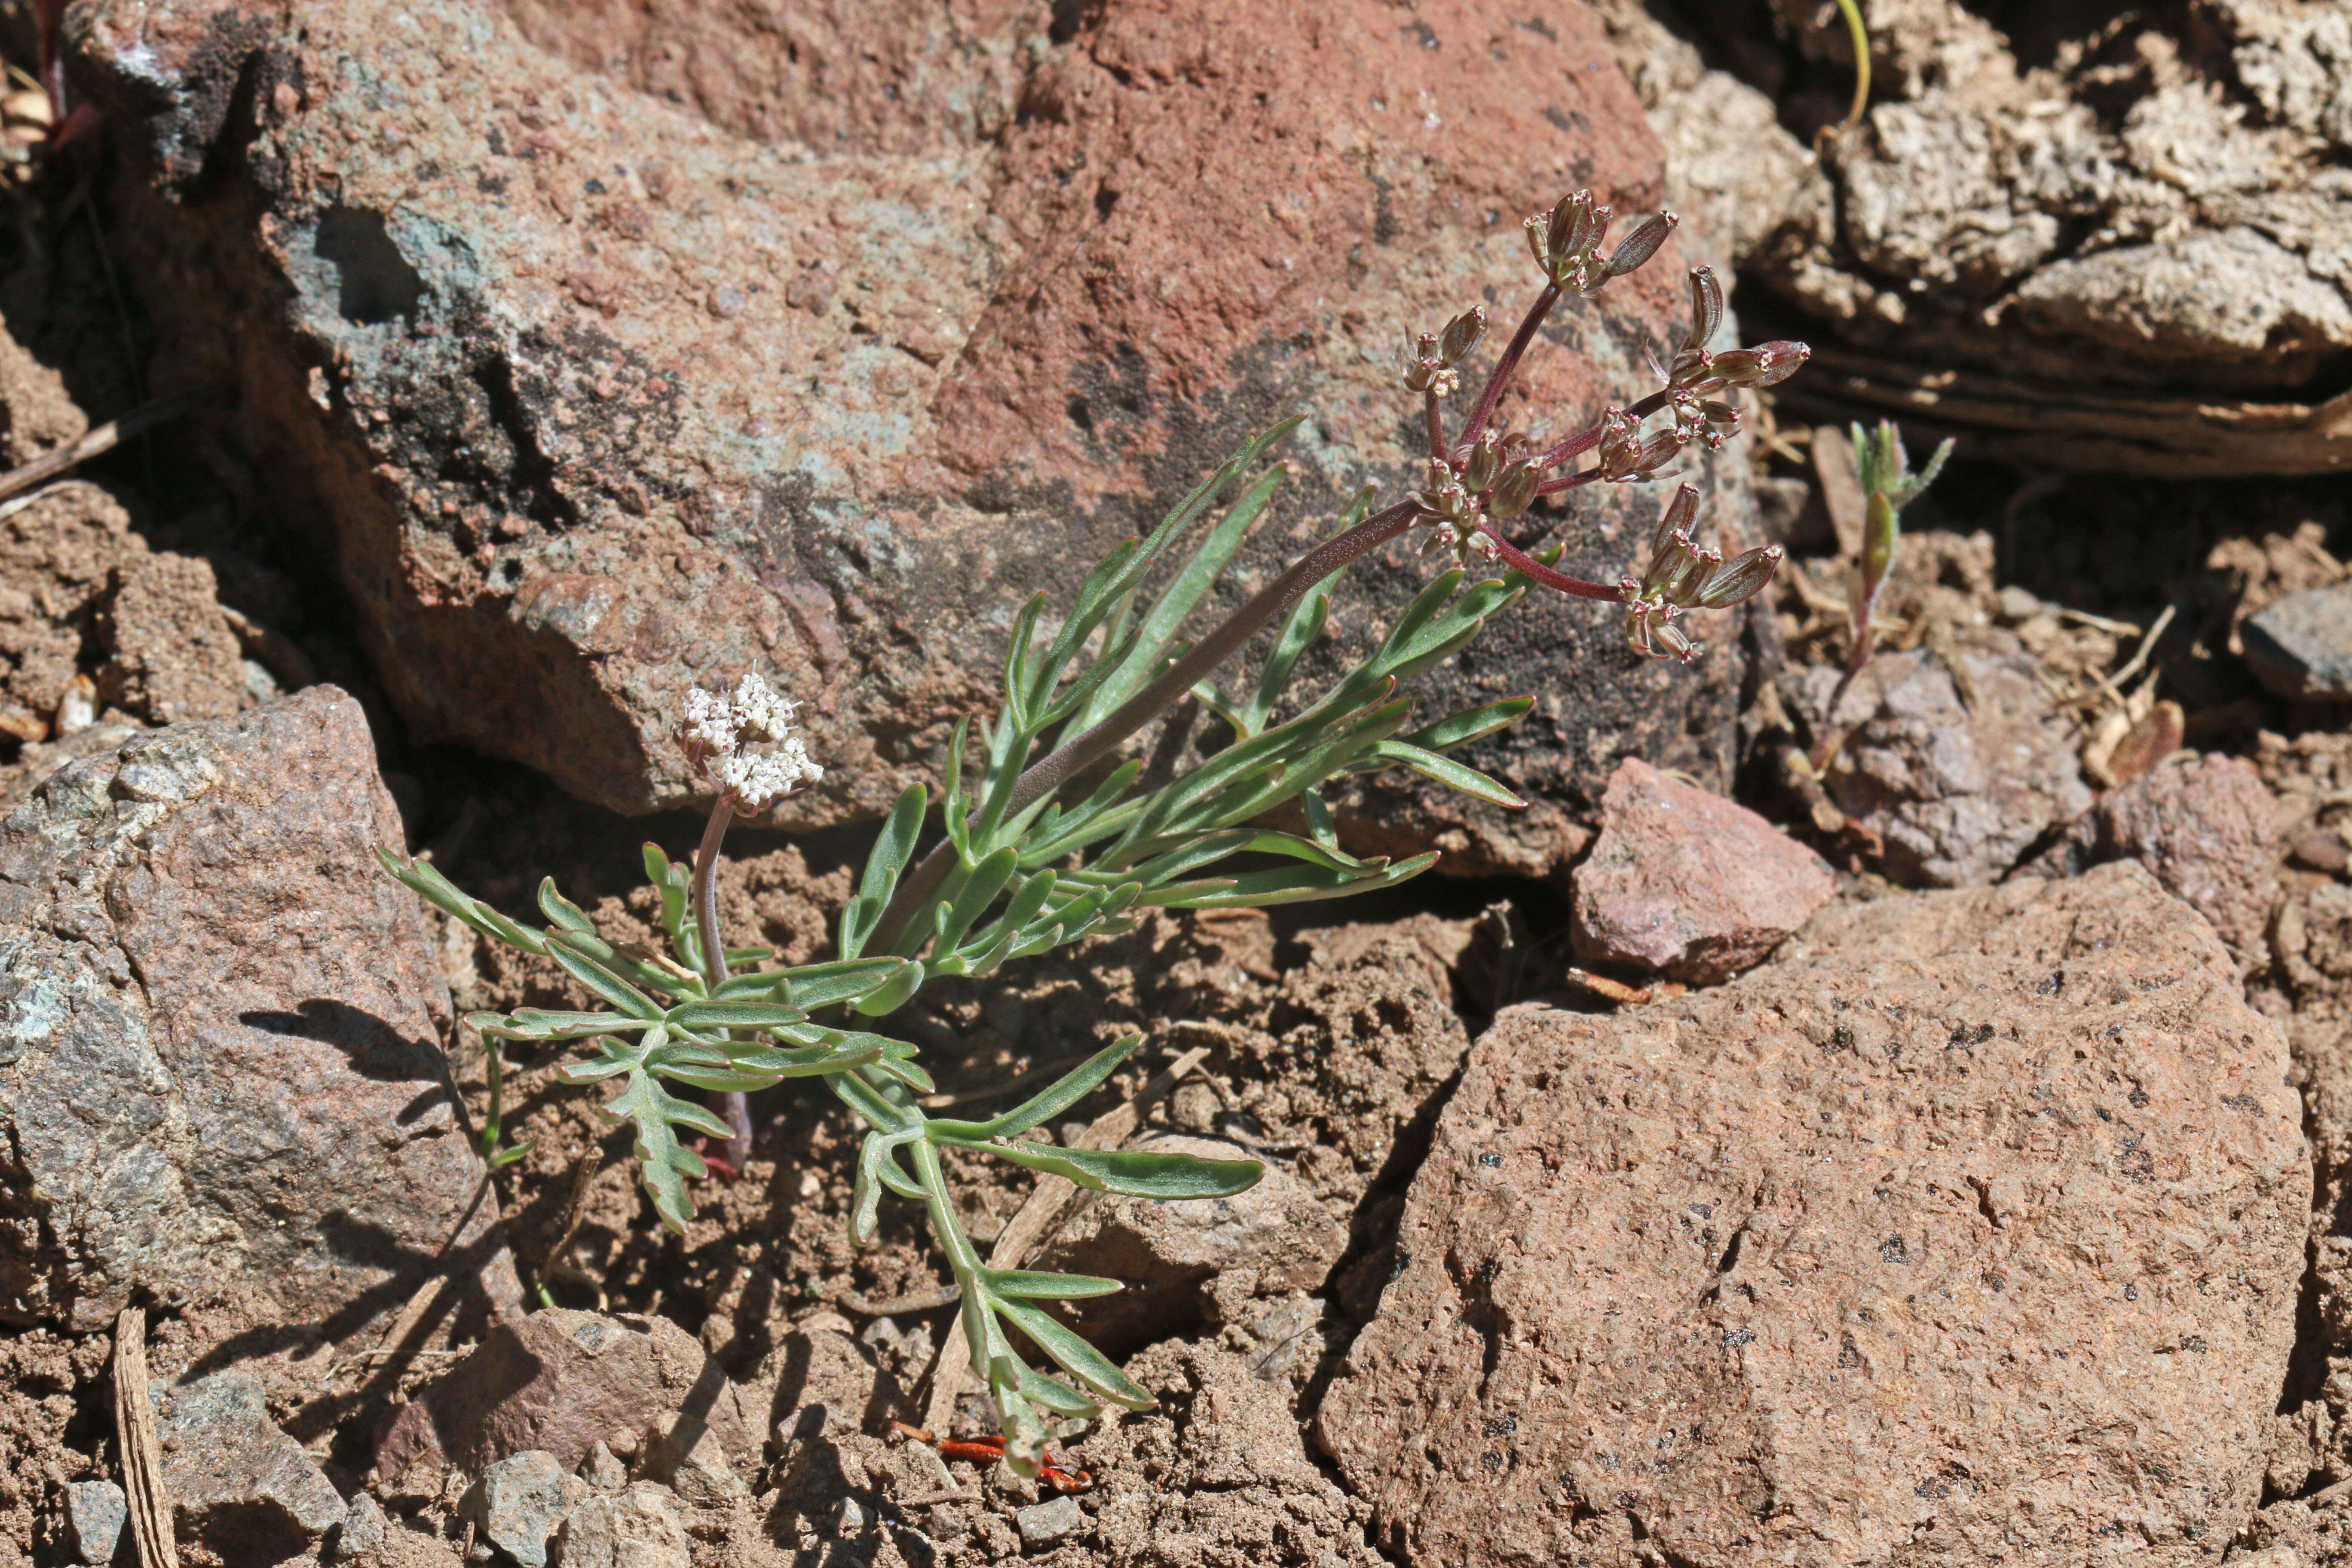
(1969, 1229)
(596, 396)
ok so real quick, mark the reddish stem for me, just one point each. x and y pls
(1436, 426)
(1518, 559)
(1510, 363)
(1567, 482)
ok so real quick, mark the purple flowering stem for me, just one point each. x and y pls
(1510, 363)
(731, 1105)
(1049, 773)
(1520, 561)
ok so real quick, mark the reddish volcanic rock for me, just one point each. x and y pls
(598, 398)
(1687, 884)
(1970, 1226)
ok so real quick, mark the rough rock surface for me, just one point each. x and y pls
(2209, 830)
(95, 1513)
(1684, 883)
(58, 557)
(560, 1380)
(1960, 761)
(601, 399)
(1273, 1239)
(2217, 226)
(237, 1482)
(220, 1026)
(1969, 1226)
(2300, 647)
(637, 1529)
(521, 1500)
(175, 655)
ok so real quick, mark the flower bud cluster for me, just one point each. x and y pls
(745, 745)
(1695, 373)
(1493, 477)
(1430, 357)
(1567, 240)
(1627, 456)
(1683, 577)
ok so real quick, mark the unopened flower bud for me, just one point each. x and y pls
(1484, 464)
(1742, 579)
(1706, 313)
(1698, 567)
(1680, 514)
(1642, 244)
(1666, 563)
(1515, 493)
(1782, 360)
(1462, 334)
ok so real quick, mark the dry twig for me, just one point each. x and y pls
(142, 1455)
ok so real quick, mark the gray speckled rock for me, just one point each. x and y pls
(1048, 1524)
(638, 1529)
(520, 1502)
(220, 1038)
(2300, 647)
(1960, 762)
(95, 1513)
(236, 1481)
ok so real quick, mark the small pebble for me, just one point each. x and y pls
(95, 1514)
(1050, 1524)
(2322, 851)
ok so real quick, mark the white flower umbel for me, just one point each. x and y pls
(745, 745)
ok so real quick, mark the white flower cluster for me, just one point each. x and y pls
(746, 743)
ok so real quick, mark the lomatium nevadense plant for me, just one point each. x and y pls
(1046, 836)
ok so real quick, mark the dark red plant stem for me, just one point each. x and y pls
(730, 1103)
(1586, 439)
(1567, 482)
(1518, 559)
(1073, 757)
(1509, 361)
(1436, 423)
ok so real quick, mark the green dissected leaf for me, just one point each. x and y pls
(1039, 1287)
(421, 878)
(1137, 668)
(1453, 775)
(1063, 1093)
(1287, 885)
(1097, 818)
(1248, 798)
(560, 911)
(531, 1024)
(1056, 1396)
(1320, 826)
(892, 993)
(1214, 846)
(877, 1171)
(760, 1066)
(891, 852)
(734, 1016)
(1018, 652)
(980, 890)
(1471, 724)
(607, 986)
(664, 1162)
(1127, 1172)
(953, 810)
(816, 985)
(1074, 1355)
